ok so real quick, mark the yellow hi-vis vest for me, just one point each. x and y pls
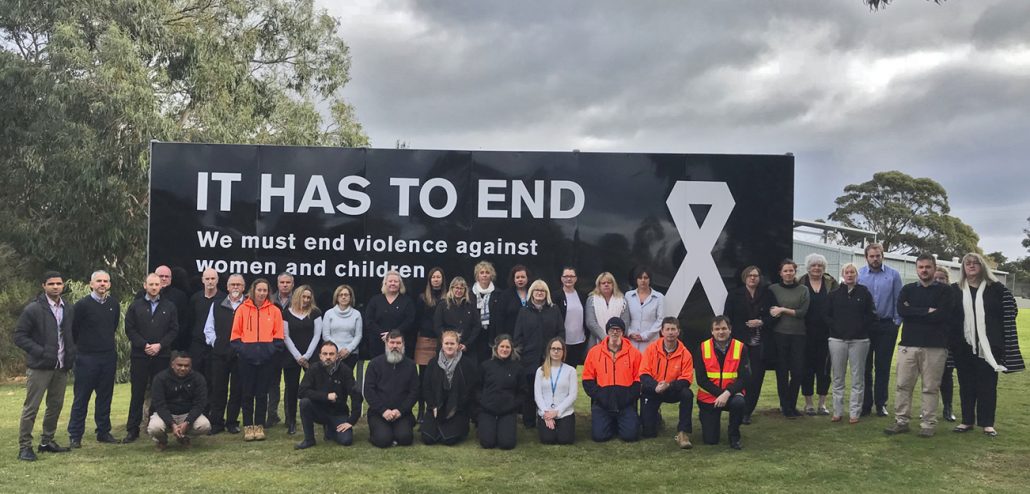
(722, 375)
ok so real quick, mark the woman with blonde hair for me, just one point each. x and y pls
(984, 342)
(488, 303)
(457, 313)
(302, 332)
(851, 317)
(538, 322)
(604, 303)
(448, 388)
(555, 388)
(388, 310)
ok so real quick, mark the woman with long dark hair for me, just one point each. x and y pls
(427, 343)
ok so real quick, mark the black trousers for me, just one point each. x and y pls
(948, 386)
(496, 431)
(225, 391)
(94, 372)
(817, 366)
(575, 354)
(141, 374)
(273, 387)
(711, 419)
(383, 434)
(254, 381)
(312, 412)
(757, 378)
(291, 376)
(444, 431)
(650, 407)
(790, 368)
(564, 431)
(977, 388)
(528, 405)
(882, 339)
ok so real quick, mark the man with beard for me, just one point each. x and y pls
(391, 389)
(222, 362)
(884, 282)
(324, 391)
(925, 306)
(179, 399)
(611, 377)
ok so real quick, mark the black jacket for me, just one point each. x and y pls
(503, 382)
(224, 315)
(533, 329)
(36, 334)
(174, 395)
(458, 397)
(144, 328)
(200, 307)
(390, 386)
(381, 316)
(320, 380)
(561, 301)
(424, 316)
(921, 327)
(463, 318)
(852, 315)
(741, 307)
(509, 304)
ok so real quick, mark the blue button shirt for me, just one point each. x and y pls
(885, 285)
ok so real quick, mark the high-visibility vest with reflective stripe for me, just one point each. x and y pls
(722, 375)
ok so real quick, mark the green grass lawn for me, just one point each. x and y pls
(805, 455)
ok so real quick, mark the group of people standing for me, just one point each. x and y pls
(817, 332)
(455, 355)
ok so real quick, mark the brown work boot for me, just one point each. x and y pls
(897, 428)
(683, 440)
(249, 433)
(259, 433)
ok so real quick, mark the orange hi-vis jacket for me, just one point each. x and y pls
(721, 374)
(257, 332)
(612, 383)
(663, 367)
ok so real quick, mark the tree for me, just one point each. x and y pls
(878, 4)
(910, 215)
(86, 84)
(1026, 241)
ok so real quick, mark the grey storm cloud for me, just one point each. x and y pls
(932, 90)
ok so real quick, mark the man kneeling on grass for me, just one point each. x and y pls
(178, 397)
(324, 391)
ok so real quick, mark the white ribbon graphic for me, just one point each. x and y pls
(699, 240)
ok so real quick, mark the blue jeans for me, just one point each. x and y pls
(93, 373)
(605, 424)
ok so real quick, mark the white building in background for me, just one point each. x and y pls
(813, 237)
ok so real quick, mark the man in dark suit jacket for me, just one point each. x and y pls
(152, 324)
(44, 332)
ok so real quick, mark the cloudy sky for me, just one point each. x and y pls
(940, 91)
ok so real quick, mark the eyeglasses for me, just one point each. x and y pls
(556, 349)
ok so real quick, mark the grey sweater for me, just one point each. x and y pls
(792, 297)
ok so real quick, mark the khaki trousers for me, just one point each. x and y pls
(914, 362)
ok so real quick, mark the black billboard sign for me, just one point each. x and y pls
(332, 215)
